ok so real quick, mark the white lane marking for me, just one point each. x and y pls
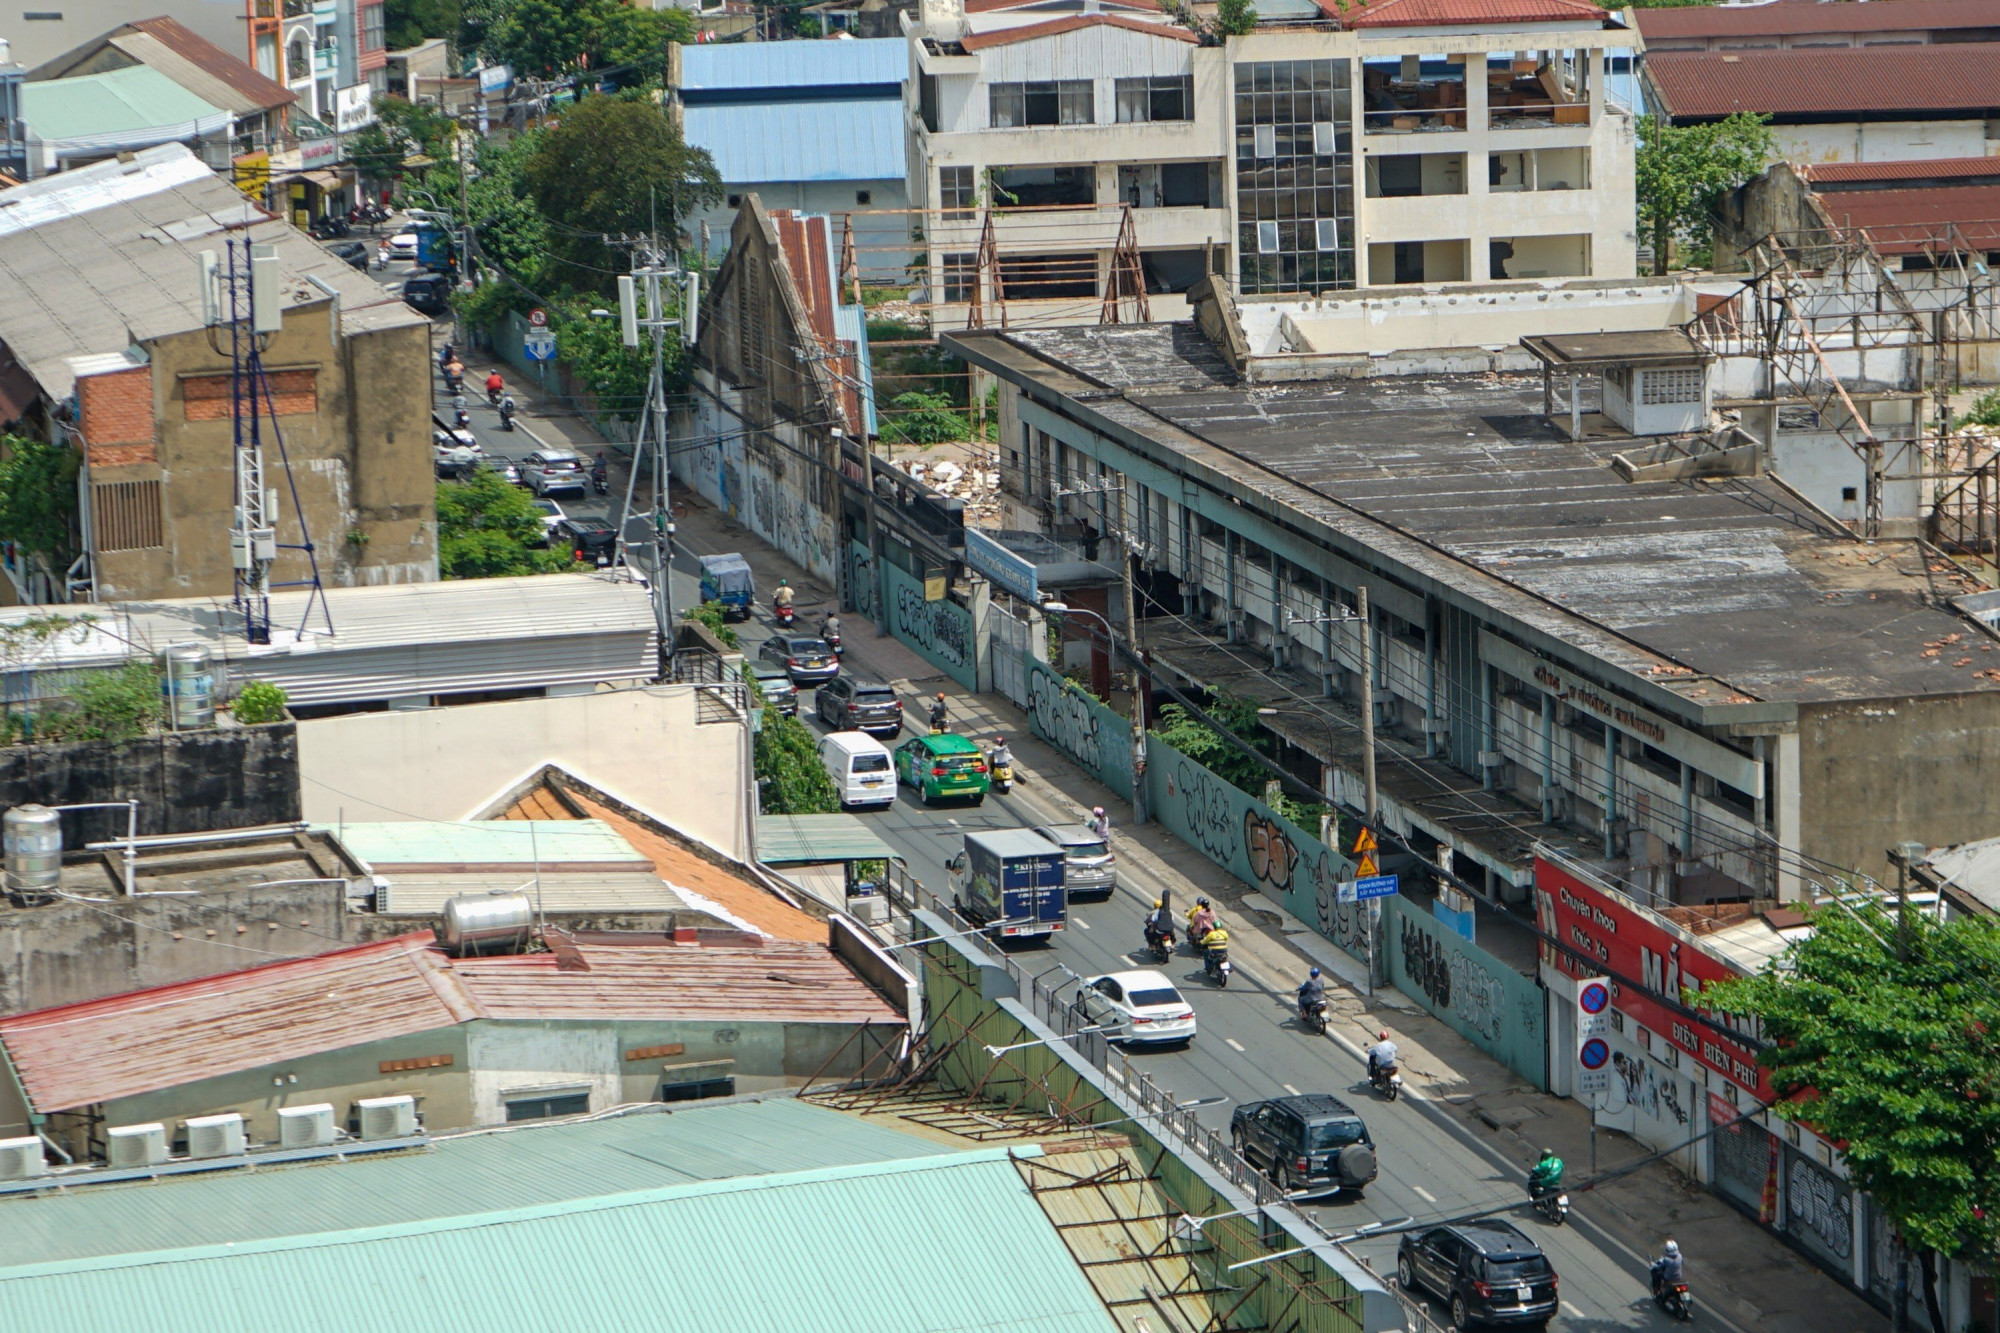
(951, 821)
(1234, 1043)
(1571, 1311)
(1424, 1194)
(1289, 1088)
(1081, 922)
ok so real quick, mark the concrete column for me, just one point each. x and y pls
(981, 606)
(1548, 757)
(1610, 788)
(1489, 723)
(1278, 632)
(1687, 810)
(1787, 823)
(1229, 584)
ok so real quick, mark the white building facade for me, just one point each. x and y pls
(1058, 155)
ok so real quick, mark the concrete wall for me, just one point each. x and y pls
(185, 782)
(882, 244)
(642, 746)
(69, 952)
(1875, 774)
(360, 460)
(1889, 141)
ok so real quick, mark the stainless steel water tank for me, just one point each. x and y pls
(188, 681)
(32, 840)
(486, 922)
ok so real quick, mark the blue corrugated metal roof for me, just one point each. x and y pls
(469, 1173)
(953, 1242)
(801, 141)
(795, 64)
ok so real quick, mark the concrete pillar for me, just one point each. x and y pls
(1786, 824)
(1229, 585)
(1610, 790)
(1548, 757)
(980, 603)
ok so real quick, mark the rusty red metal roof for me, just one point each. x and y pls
(82, 1054)
(1838, 82)
(1439, 13)
(191, 46)
(1793, 18)
(146, 1040)
(1933, 169)
(1902, 222)
(996, 6)
(979, 41)
(782, 981)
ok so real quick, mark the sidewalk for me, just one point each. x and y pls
(1740, 1272)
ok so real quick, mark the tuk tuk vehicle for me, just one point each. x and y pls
(942, 765)
(727, 579)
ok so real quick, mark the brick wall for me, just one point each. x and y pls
(116, 414)
(293, 393)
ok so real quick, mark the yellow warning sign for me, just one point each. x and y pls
(1364, 844)
(1367, 866)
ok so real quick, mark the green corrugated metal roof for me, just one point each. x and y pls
(136, 98)
(792, 839)
(476, 1173)
(942, 1243)
(487, 842)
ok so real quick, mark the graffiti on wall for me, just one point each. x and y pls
(1648, 1089)
(1081, 727)
(941, 630)
(861, 578)
(1452, 982)
(1482, 998)
(788, 521)
(1205, 804)
(1819, 1207)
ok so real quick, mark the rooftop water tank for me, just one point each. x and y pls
(187, 680)
(32, 839)
(486, 922)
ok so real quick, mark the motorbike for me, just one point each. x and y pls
(329, 228)
(784, 615)
(1673, 1297)
(454, 384)
(1386, 1080)
(600, 482)
(506, 414)
(1002, 774)
(1215, 963)
(1553, 1205)
(832, 638)
(1160, 942)
(492, 396)
(1312, 1015)
(461, 419)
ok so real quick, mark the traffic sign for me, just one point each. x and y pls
(1593, 1026)
(1365, 843)
(1367, 868)
(1375, 886)
(538, 318)
(539, 345)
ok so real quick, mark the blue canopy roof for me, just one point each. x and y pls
(801, 141)
(795, 64)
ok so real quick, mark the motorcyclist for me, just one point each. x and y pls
(940, 717)
(1200, 919)
(1667, 1269)
(1100, 823)
(1215, 943)
(508, 407)
(1312, 992)
(1160, 924)
(781, 600)
(1000, 756)
(454, 375)
(1547, 1176)
(829, 626)
(446, 355)
(1382, 1055)
(494, 384)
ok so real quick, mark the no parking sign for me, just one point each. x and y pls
(1593, 1023)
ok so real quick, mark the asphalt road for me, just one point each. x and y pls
(1249, 1046)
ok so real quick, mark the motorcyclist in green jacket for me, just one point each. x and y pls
(1547, 1176)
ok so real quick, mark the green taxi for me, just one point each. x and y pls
(943, 765)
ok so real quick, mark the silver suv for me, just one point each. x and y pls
(1088, 865)
(547, 471)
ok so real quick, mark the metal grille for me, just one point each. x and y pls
(1658, 387)
(125, 515)
(720, 703)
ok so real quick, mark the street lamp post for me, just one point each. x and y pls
(1138, 701)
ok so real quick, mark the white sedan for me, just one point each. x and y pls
(1141, 1006)
(403, 245)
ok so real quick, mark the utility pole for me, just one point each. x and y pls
(1129, 552)
(465, 152)
(1367, 703)
(642, 306)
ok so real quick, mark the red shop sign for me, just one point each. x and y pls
(1625, 943)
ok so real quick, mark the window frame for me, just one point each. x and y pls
(1041, 104)
(1146, 95)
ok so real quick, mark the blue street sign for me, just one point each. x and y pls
(1594, 1054)
(1375, 886)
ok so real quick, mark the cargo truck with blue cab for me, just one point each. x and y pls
(1011, 880)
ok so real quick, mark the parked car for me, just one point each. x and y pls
(552, 518)
(1312, 1142)
(776, 683)
(403, 245)
(354, 253)
(429, 293)
(847, 704)
(547, 471)
(808, 659)
(1488, 1272)
(591, 540)
(1142, 1006)
(943, 765)
(1090, 866)
(509, 471)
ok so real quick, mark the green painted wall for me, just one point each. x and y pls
(1483, 1000)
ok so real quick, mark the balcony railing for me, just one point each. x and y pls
(1538, 115)
(1411, 120)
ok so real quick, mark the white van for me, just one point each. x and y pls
(861, 769)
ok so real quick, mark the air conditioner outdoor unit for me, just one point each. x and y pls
(305, 1126)
(137, 1145)
(388, 1117)
(21, 1159)
(215, 1135)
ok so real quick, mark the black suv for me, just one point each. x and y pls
(591, 540)
(1488, 1271)
(847, 704)
(1311, 1142)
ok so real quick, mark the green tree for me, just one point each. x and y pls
(614, 165)
(381, 151)
(1234, 18)
(922, 418)
(488, 528)
(1682, 171)
(716, 618)
(411, 21)
(1884, 1036)
(597, 357)
(38, 501)
(258, 702)
(1212, 750)
(121, 704)
(550, 38)
(1985, 410)
(790, 778)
